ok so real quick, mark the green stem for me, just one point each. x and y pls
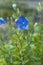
(20, 50)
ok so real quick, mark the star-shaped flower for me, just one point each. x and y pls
(22, 23)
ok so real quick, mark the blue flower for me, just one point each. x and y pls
(22, 23)
(2, 22)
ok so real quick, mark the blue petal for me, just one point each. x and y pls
(23, 28)
(27, 27)
(22, 20)
(2, 22)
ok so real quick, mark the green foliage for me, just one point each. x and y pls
(22, 47)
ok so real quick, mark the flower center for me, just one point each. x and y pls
(23, 22)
